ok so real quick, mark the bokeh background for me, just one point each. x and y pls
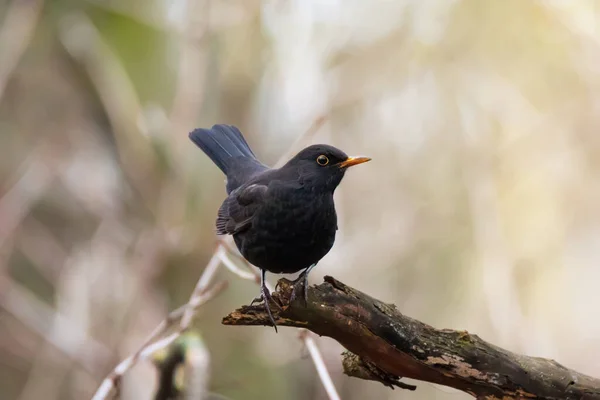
(479, 211)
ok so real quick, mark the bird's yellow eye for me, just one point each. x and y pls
(322, 160)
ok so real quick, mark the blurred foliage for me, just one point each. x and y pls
(480, 210)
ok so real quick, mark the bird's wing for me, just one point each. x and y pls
(243, 170)
(236, 213)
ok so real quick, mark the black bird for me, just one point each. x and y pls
(283, 220)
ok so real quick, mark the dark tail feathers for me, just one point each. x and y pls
(222, 143)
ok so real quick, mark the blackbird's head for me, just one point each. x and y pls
(322, 166)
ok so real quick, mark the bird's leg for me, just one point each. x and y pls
(306, 283)
(266, 296)
(304, 277)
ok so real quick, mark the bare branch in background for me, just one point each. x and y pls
(150, 345)
(42, 248)
(29, 186)
(191, 75)
(40, 318)
(17, 30)
(70, 301)
(117, 93)
(317, 358)
(232, 266)
(205, 279)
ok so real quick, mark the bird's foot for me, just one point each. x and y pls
(304, 278)
(261, 298)
(268, 299)
(268, 308)
(257, 300)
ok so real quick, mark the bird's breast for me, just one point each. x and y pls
(291, 232)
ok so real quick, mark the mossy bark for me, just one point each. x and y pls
(387, 345)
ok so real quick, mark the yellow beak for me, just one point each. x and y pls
(350, 161)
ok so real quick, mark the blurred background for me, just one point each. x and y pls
(479, 211)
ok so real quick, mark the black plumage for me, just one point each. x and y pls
(283, 220)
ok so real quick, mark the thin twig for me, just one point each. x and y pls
(252, 276)
(317, 358)
(170, 319)
(203, 282)
(232, 266)
(150, 346)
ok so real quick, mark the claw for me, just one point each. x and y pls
(257, 299)
(266, 296)
(306, 290)
(304, 278)
(261, 298)
(293, 296)
(268, 299)
(304, 293)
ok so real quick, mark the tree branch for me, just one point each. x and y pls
(151, 345)
(388, 345)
